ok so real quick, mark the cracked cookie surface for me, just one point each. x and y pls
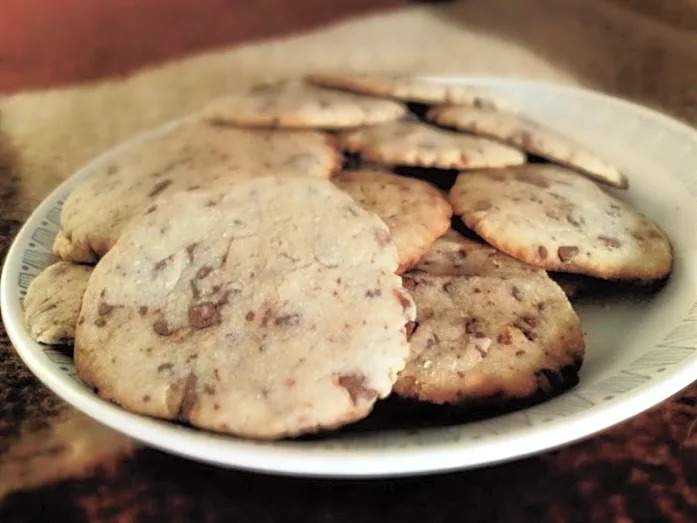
(267, 308)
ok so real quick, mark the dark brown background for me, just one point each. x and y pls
(642, 471)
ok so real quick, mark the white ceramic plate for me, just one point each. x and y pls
(639, 351)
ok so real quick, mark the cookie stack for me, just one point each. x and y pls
(267, 269)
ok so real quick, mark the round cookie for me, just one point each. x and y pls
(417, 144)
(548, 216)
(412, 89)
(489, 328)
(490, 339)
(530, 136)
(416, 212)
(297, 104)
(53, 301)
(187, 156)
(268, 308)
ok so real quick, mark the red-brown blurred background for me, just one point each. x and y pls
(45, 43)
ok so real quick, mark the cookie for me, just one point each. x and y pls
(412, 89)
(267, 308)
(186, 157)
(417, 144)
(53, 300)
(489, 328)
(297, 105)
(549, 217)
(416, 212)
(490, 340)
(65, 249)
(532, 137)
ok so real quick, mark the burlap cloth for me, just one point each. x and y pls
(55, 460)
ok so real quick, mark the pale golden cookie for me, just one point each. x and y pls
(53, 301)
(488, 328)
(490, 339)
(532, 137)
(265, 309)
(417, 144)
(186, 157)
(416, 212)
(297, 104)
(549, 217)
(411, 89)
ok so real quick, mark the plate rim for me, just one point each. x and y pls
(290, 460)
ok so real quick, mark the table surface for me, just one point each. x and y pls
(642, 470)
